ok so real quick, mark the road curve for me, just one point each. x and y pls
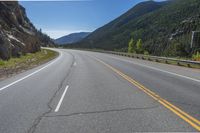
(87, 92)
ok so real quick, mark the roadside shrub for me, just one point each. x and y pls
(2, 63)
(146, 53)
(196, 56)
(131, 46)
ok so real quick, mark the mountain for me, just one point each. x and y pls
(17, 34)
(164, 27)
(71, 38)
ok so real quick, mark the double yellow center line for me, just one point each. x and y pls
(186, 117)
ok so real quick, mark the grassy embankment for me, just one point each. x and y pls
(28, 61)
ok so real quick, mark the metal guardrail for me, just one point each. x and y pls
(188, 63)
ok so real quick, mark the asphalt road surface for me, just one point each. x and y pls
(88, 92)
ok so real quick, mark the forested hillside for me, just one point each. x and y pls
(71, 38)
(165, 28)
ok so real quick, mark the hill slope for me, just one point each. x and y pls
(164, 27)
(17, 34)
(71, 38)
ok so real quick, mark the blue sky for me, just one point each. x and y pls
(58, 18)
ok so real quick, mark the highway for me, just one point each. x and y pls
(88, 92)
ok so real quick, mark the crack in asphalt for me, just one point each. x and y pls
(39, 118)
(103, 111)
(66, 78)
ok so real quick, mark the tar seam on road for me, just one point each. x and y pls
(61, 99)
(102, 111)
(39, 118)
(157, 69)
(29, 75)
(186, 117)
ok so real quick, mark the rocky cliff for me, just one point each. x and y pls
(17, 34)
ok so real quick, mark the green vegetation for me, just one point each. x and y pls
(196, 56)
(29, 60)
(46, 41)
(137, 47)
(165, 29)
(131, 46)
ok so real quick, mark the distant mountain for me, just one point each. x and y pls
(17, 34)
(71, 38)
(164, 27)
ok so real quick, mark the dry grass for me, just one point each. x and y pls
(30, 60)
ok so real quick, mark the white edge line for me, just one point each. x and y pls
(61, 99)
(157, 69)
(2, 88)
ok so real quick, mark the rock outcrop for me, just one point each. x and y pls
(17, 34)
